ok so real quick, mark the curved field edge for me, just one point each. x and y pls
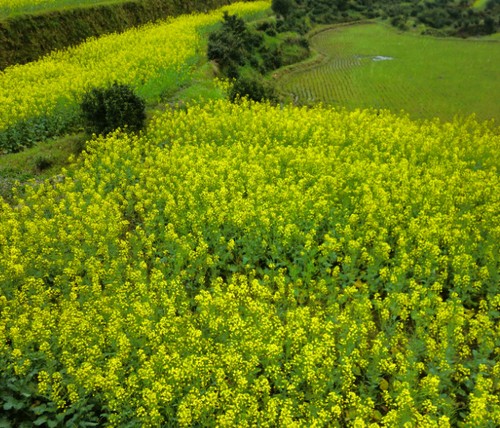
(425, 76)
(28, 37)
(257, 265)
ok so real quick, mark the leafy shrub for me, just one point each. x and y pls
(268, 27)
(399, 22)
(254, 88)
(117, 106)
(298, 23)
(232, 45)
(282, 7)
(272, 58)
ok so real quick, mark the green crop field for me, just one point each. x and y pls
(371, 65)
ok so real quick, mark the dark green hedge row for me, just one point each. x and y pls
(28, 37)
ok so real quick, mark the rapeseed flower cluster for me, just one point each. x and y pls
(243, 264)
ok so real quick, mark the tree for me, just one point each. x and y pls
(106, 109)
(231, 46)
(254, 88)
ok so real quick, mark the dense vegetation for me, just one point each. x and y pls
(239, 263)
(442, 17)
(104, 110)
(25, 37)
(246, 54)
(245, 265)
(9, 8)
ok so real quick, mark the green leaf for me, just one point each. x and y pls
(38, 410)
(4, 423)
(376, 415)
(40, 420)
(8, 405)
(12, 403)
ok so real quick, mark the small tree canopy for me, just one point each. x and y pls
(106, 109)
(231, 46)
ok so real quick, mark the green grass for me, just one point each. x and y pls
(427, 77)
(40, 162)
(11, 8)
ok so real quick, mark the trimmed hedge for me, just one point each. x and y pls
(28, 37)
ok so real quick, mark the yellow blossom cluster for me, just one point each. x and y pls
(250, 265)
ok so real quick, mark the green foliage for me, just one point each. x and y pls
(232, 45)
(295, 48)
(282, 7)
(268, 27)
(246, 55)
(117, 106)
(254, 88)
(23, 407)
(27, 132)
(450, 17)
(58, 24)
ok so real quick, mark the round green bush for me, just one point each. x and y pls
(254, 88)
(109, 108)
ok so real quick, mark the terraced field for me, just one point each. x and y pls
(370, 65)
(9, 8)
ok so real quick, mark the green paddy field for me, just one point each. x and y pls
(372, 65)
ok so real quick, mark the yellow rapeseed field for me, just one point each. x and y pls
(134, 57)
(249, 265)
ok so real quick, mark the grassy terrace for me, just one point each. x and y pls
(10, 8)
(372, 65)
